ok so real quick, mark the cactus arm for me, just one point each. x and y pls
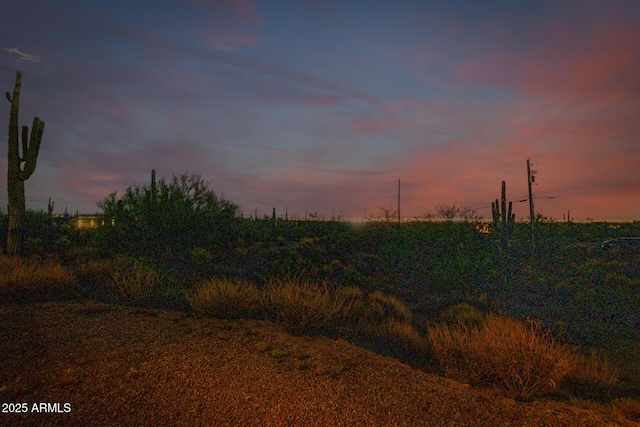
(495, 212)
(15, 101)
(154, 188)
(510, 218)
(14, 154)
(503, 217)
(25, 138)
(31, 154)
(503, 205)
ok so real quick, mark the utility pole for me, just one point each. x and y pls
(530, 179)
(398, 200)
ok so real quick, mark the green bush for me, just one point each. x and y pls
(168, 219)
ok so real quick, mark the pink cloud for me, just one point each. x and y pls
(324, 101)
(228, 40)
(376, 126)
(319, 5)
(599, 67)
(246, 10)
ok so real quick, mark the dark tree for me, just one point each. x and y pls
(170, 217)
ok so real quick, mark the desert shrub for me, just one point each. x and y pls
(27, 279)
(198, 264)
(225, 299)
(303, 307)
(135, 278)
(351, 276)
(452, 345)
(167, 219)
(594, 376)
(401, 334)
(462, 313)
(626, 409)
(379, 316)
(95, 270)
(517, 356)
(353, 308)
(383, 307)
(46, 234)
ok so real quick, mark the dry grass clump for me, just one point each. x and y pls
(401, 333)
(366, 311)
(225, 299)
(625, 411)
(383, 307)
(353, 308)
(462, 313)
(135, 279)
(594, 376)
(385, 317)
(303, 307)
(25, 279)
(94, 270)
(517, 356)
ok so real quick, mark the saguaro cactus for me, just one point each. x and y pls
(502, 219)
(17, 174)
(154, 188)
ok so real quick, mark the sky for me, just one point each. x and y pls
(321, 106)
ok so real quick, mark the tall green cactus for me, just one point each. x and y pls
(17, 174)
(503, 220)
(154, 188)
(50, 205)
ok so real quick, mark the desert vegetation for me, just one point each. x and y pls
(563, 324)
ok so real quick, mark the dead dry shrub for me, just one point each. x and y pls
(462, 313)
(225, 299)
(453, 345)
(24, 279)
(135, 278)
(595, 376)
(382, 307)
(518, 356)
(93, 271)
(401, 333)
(625, 409)
(303, 307)
(353, 308)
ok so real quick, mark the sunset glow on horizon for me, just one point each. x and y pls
(321, 106)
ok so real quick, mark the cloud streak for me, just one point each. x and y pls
(23, 56)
